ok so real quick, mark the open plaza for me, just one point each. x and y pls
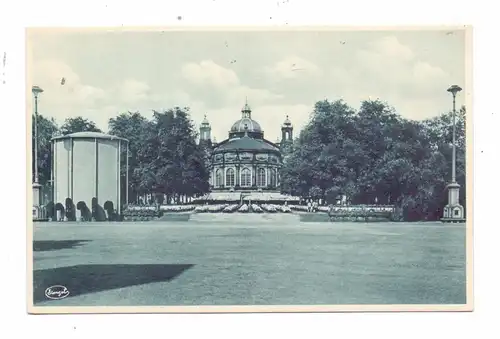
(257, 262)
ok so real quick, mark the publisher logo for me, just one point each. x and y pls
(56, 292)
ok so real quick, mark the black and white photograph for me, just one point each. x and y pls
(249, 169)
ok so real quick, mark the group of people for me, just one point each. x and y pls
(312, 206)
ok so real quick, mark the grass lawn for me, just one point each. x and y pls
(189, 263)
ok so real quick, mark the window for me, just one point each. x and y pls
(273, 177)
(218, 178)
(261, 177)
(246, 178)
(230, 177)
(246, 156)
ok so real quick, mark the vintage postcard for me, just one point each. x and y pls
(297, 169)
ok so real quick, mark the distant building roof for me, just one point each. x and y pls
(246, 143)
(88, 135)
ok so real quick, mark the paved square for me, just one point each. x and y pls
(190, 263)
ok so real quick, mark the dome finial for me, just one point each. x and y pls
(287, 121)
(205, 121)
(246, 111)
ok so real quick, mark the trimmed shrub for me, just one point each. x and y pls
(70, 210)
(139, 213)
(361, 213)
(231, 208)
(94, 208)
(85, 211)
(98, 213)
(60, 207)
(177, 208)
(108, 207)
(209, 208)
(50, 209)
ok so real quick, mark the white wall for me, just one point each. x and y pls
(84, 171)
(61, 170)
(108, 167)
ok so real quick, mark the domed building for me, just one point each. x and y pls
(245, 161)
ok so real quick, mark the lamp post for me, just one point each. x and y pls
(36, 186)
(454, 90)
(453, 211)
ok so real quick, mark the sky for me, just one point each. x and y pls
(280, 73)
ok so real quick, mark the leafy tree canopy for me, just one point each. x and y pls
(375, 155)
(78, 124)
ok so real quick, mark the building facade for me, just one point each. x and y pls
(245, 161)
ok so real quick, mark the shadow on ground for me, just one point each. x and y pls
(175, 217)
(54, 245)
(84, 279)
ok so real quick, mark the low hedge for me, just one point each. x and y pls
(141, 215)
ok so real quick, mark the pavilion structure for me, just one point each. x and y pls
(245, 165)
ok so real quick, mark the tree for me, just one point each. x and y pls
(323, 153)
(78, 124)
(375, 155)
(191, 156)
(170, 161)
(46, 129)
(133, 127)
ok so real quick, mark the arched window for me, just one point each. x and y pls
(218, 178)
(273, 177)
(246, 178)
(261, 177)
(230, 177)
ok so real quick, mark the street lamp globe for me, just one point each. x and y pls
(36, 90)
(454, 89)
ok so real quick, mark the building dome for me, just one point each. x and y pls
(246, 125)
(250, 124)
